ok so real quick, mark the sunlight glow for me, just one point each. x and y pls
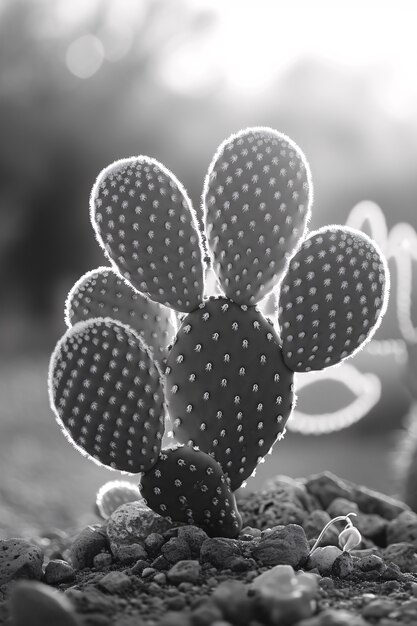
(85, 56)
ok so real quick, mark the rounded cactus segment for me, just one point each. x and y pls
(147, 227)
(103, 293)
(228, 390)
(113, 494)
(188, 486)
(332, 298)
(256, 199)
(106, 394)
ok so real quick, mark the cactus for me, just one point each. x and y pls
(220, 349)
(146, 226)
(102, 293)
(107, 396)
(256, 200)
(332, 298)
(113, 494)
(228, 381)
(187, 485)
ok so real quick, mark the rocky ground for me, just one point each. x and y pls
(136, 569)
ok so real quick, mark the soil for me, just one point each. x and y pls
(381, 591)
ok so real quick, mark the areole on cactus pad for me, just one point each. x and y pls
(227, 380)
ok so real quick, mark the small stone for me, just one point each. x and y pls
(315, 523)
(184, 571)
(37, 604)
(232, 598)
(131, 553)
(206, 614)
(161, 563)
(334, 617)
(138, 567)
(286, 546)
(251, 532)
(218, 551)
(372, 526)
(185, 586)
(402, 554)
(403, 529)
(175, 618)
(342, 506)
(153, 544)
(194, 536)
(393, 572)
(378, 608)
(371, 563)
(160, 578)
(240, 564)
(176, 603)
(148, 571)
(102, 560)
(373, 502)
(343, 566)
(19, 559)
(115, 582)
(323, 559)
(58, 571)
(132, 523)
(326, 582)
(175, 550)
(87, 545)
(327, 487)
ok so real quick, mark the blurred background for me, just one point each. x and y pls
(85, 82)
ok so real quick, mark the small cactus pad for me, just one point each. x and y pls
(256, 200)
(113, 494)
(332, 298)
(106, 393)
(102, 293)
(228, 390)
(145, 223)
(187, 485)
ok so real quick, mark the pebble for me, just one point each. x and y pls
(326, 486)
(58, 571)
(372, 526)
(102, 560)
(286, 546)
(232, 598)
(323, 559)
(218, 551)
(334, 617)
(138, 567)
(378, 608)
(87, 545)
(161, 563)
(343, 565)
(19, 559)
(206, 614)
(115, 582)
(175, 618)
(153, 544)
(38, 605)
(184, 571)
(251, 532)
(372, 562)
(160, 578)
(194, 536)
(132, 523)
(315, 523)
(403, 529)
(402, 554)
(370, 501)
(130, 553)
(342, 506)
(148, 571)
(176, 549)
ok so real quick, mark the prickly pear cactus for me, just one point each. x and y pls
(103, 293)
(227, 381)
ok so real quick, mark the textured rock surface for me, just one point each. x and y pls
(19, 559)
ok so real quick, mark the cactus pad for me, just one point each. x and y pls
(103, 293)
(107, 396)
(256, 200)
(187, 485)
(332, 298)
(228, 390)
(145, 223)
(113, 494)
